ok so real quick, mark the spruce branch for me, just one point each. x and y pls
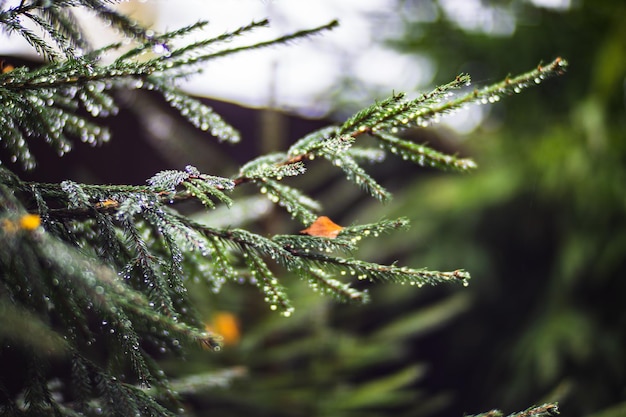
(34, 97)
(57, 20)
(422, 154)
(385, 119)
(225, 37)
(295, 202)
(357, 174)
(545, 410)
(375, 272)
(277, 41)
(493, 93)
(323, 282)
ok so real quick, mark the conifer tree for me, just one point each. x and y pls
(93, 278)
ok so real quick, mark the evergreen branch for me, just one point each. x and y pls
(407, 113)
(221, 268)
(492, 93)
(13, 139)
(363, 119)
(12, 24)
(83, 200)
(197, 185)
(81, 378)
(375, 272)
(170, 223)
(394, 114)
(274, 293)
(60, 40)
(357, 232)
(78, 72)
(371, 155)
(300, 206)
(96, 101)
(101, 288)
(42, 114)
(149, 270)
(315, 243)
(168, 180)
(222, 38)
(128, 340)
(545, 410)
(197, 113)
(114, 251)
(270, 166)
(37, 396)
(422, 154)
(280, 40)
(300, 253)
(76, 196)
(146, 403)
(321, 281)
(310, 144)
(162, 39)
(56, 20)
(75, 72)
(358, 175)
(337, 148)
(58, 82)
(120, 21)
(118, 399)
(203, 195)
(64, 21)
(250, 242)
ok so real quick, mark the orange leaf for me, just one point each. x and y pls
(226, 325)
(323, 227)
(108, 203)
(30, 221)
(6, 67)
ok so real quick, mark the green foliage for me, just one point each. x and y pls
(101, 274)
